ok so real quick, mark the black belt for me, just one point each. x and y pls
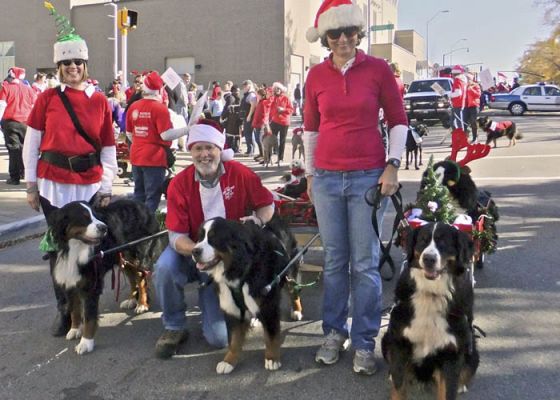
(73, 163)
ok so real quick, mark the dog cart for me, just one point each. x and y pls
(123, 160)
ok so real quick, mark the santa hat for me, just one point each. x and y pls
(17, 73)
(69, 45)
(278, 85)
(152, 83)
(457, 69)
(334, 14)
(209, 131)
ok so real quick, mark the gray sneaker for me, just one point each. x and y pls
(169, 342)
(364, 362)
(328, 352)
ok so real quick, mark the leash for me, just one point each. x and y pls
(374, 200)
(103, 253)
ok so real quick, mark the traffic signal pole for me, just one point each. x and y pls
(115, 39)
(127, 20)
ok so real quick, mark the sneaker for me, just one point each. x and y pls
(330, 349)
(364, 362)
(169, 342)
(12, 181)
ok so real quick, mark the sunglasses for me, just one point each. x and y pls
(76, 61)
(334, 34)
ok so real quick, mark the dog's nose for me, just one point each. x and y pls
(101, 228)
(196, 252)
(429, 260)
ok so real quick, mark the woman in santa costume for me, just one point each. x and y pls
(345, 157)
(60, 165)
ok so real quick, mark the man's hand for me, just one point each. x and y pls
(389, 181)
(101, 199)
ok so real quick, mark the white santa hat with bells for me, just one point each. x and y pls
(205, 131)
(17, 73)
(278, 85)
(334, 14)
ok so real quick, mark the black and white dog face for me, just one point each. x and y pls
(422, 130)
(437, 249)
(221, 243)
(484, 122)
(76, 221)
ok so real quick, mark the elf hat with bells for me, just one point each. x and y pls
(69, 45)
(334, 14)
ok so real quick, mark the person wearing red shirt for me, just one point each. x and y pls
(135, 88)
(345, 157)
(60, 164)
(16, 101)
(473, 104)
(261, 119)
(281, 109)
(458, 98)
(213, 186)
(146, 120)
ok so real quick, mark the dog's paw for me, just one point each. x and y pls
(224, 368)
(272, 365)
(85, 346)
(129, 304)
(141, 309)
(297, 316)
(74, 333)
(462, 389)
(255, 323)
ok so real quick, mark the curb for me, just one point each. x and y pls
(21, 230)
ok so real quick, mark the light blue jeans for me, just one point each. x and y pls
(351, 254)
(172, 272)
(148, 183)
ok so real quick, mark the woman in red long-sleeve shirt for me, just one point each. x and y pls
(261, 119)
(281, 109)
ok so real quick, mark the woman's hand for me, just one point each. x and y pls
(101, 199)
(33, 195)
(389, 181)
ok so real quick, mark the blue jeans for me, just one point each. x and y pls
(248, 134)
(351, 254)
(148, 182)
(172, 272)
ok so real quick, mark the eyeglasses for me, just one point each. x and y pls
(334, 34)
(76, 61)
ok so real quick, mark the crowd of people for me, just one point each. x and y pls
(64, 146)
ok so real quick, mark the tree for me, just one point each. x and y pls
(541, 62)
(551, 10)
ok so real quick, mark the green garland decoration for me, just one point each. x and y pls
(66, 32)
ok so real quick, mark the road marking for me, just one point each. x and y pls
(526, 156)
(495, 178)
(37, 367)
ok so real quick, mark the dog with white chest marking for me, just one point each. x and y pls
(414, 144)
(80, 232)
(430, 334)
(497, 129)
(243, 259)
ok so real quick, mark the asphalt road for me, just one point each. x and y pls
(517, 303)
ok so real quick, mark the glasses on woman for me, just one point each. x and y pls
(76, 61)
(334, 34)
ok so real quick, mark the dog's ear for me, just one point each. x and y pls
(465, 250)
(411, 237)
(58, 222)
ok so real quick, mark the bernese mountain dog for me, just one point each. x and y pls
(80, 232)
(430, 333)
(242, 259)
(495, 130)
(414, 144)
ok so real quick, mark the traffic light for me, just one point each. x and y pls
(127, 19)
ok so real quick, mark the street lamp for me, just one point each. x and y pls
(453, 51)
(428, 38)
(453, 46)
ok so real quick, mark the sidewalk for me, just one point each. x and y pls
(18, 221)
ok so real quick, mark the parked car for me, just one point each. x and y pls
(422, 103)
(539, 97)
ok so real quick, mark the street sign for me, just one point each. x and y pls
(385, 27)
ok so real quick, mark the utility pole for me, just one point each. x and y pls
(114, 39)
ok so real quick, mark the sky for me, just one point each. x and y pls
(497, 32)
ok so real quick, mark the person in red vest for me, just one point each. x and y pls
(16, 102)
(281, 109)
(458, 97)
(146, 120)
(473, 104)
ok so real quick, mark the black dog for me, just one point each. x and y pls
(496, 130)
(430, 334)
(243, 259)
(414, 144)
(80, 232)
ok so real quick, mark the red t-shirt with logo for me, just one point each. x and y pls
(147, 119)
(60, 135)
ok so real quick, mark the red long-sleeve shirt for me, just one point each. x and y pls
(344, 110)
(282, 118)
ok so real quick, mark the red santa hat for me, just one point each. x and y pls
(457, 69)
(17, 72)
(334, 14)
(152, 83)
(206, 130)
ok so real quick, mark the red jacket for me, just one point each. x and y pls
(19, 99)
(473, 94)
(344, 109)
(281, 118)
(459, 93)
(262, 114)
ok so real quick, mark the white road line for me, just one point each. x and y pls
(37, 367)
(526, 156)
(494, 178)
